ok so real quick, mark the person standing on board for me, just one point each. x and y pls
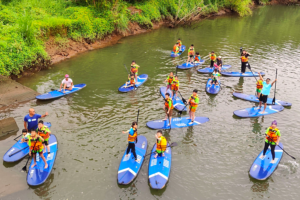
(31, 120)
(272, 139)
(191, 54)
(213, 58)
(67, 83)
(134, 68)
(244, 59)
(44, 132)
(176, 48)
(170, 80)
(193, 101)
(36, 146)
(161, 144)
(168, 107)
(263, 98)
(175, 87)
(215, 77)
(179, 44)
(132, 138)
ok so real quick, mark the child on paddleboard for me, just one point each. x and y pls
(67, 83)
(161, 144)
(132, 138)
(170, 80)
(179, 44)
(213, 58)
(219, 64)
(168, 107)
(197, 57)
(131, 81)
(259, 86)
(193, 102)
(175, 87)
(25, 136)
(44, 132)
(191, 54)
(215, 77)
(134, 69)
(36, 146)
(176, 48)
(263, 98)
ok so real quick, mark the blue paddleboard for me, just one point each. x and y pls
(253, 98)
(189, 65)
(239, 74)
(255, 111)
(56, 94)
(176, 123)
(261, 169)
(38, 174)
(209, 70)
(129, 168)
(159, 168)
(177, 102)
(141, 79)
(19, 150)
(178, 54)
(212, 88)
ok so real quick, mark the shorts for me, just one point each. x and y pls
(39, 151)
(193, 109)
(258, 90)
(263, 98)
(46, 142)
(170, 113)
(191, 56)
(159, 153)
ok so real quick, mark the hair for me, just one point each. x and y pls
(159, 131)
(268, 79)
(133, 124)
(178, 38)
(131, 74)
(176, 76)
(197, 53)
(168, 94)
(32, 130)
(133, 61)
(24, 131)
(215, 70)
(177, 42)
(212, 51)
(41, 122)
(192, 45)
(195, 90)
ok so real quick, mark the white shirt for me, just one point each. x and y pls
(68, 82)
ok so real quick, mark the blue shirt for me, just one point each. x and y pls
(131, 132)
(32, 122)
(266, 88)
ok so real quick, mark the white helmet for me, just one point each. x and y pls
(220, 57)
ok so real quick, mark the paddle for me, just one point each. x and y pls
(174, 144)
(18, 151)
(18, 137)
(283, 150)
(273, 102)
(25, 167)
(183, 99)
(137, 117)
(168, 113)
(126, 68)
(180, 111)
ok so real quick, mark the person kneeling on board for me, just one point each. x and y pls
(193, 101)
(134, 69)
(215, 77)
(131, 81)
(44, 132)
(36, 146)
(161, 144)
(67, 83)
(175, 87)
(170, 80)
(191, 54)
(25, 136)
(168, 107)
(263, 98)
(272, 139)
(213, 58)
(197, 57)
(132, 138)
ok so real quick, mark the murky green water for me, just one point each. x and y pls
(212, 160)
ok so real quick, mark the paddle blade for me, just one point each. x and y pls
(184, 101)
(273, 102)
(24, 169)
(174, 144)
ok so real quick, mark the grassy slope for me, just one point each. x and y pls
(25, 25)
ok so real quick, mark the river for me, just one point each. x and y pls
(211, 160)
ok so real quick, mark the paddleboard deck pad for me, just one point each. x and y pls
(262, 168)
(178, 54)
(38, 174)
(177, 102)
(256, 111)
(253, 98)
(19, 150)
(129, 168)
(141, 79)
(189, 65)
(239, 74)
(159, 168)
(176, 123)
(212, 88)
(56, 94)
(209, 70)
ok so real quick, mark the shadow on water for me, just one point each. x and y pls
(260, 185)
(158, 192)
(43, 190)
(12, 164)
(239, 85)
(257, 124)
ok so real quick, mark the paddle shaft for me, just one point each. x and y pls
(184, 101)
(25, 167)
(18, 137)
(137, 117)
(273, 102)
(126, 69)
(283, 149)
(18, 151)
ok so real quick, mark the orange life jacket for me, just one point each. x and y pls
(259, 84)
(191, 52)
(197, 59)
(44, 134)
(132, 81)
(35, 144)
(213, 57)
(167, 103)
(134, 69)
(175, 85)
(179, 43)
(162, 145)
(244, 59)
(132, 138)
(271, 135)
(192, 101)
(170, 79)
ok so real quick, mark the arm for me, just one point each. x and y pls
(278, 140)
(25, 125)
(42, 139)
(274, 82)
(60, 86)
(260, 77)
(169, 107)
(42, 116)
(125, 131)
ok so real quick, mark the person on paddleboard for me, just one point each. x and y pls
(67, 84)
(170, 80)
(176, 48)
(179, 44)
(197, 57)
(215, 77)
(36, 146)
(134, 69)
(25, 136)
(272, 139)
(193, 102)
(259, 86)
(131, 81)
(263, 98)
(132, 139)
(168, 107)
(191, 54)
(212, 57)
(244, 59)
(219, 64)
(31, 120)
(175, 87)
(44, 132)
(161, 144)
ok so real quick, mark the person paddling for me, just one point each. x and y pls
(31, 120)
(219, 64)
(193, 101)
(161, 144)
(272, 139)
(215, 77)
(191, 54)
(132, 138)
(134, 68)
(212, 57)
(179, 44)
(263, 98)
(67, 83)
(197, 57)
(259, 86)
(170, 80)
(175, 87)
(36, 146)
(131, 81)
(168, 107)
(44, 132)
(244, 59)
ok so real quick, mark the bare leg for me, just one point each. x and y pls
(70, 88)
(260, 104)
(65, 88)
(34, 160)
(45, 161)
(156, 154)
(48, 148)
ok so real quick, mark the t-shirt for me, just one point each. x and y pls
(216, 75)
(131, 132)
(266, 88)
(26, 136)
(32, 122)
(68, 82)
(219, 62)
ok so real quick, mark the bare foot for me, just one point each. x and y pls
(273, 161)
(64, 92)
(262, 112)
(164, 119)
(155, 156)
(137, 160)
(262, 156)
(163, 154)
(34, 164)
(127, 155)
(191, 122)
(46, 166)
